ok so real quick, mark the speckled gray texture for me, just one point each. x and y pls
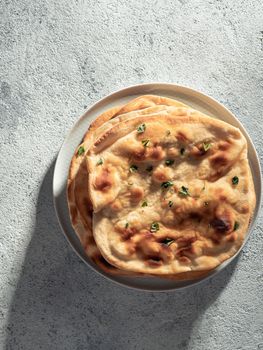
(57, 57)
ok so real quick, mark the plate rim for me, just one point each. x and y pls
(190, 92)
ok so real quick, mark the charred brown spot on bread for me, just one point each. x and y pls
(148, 247)
(220, 194)
(136, 193)
(216, 238)
(131, 246)
(161, 175)
(103, 137)
(103, 181)
(186, 240)
(195, 216)
(200, 149)
(195, 250)
(173, 152)
(139, 154)
(224, 145)
(223, 221)
(219, 159)
(154, 262)
(182, 251)
(156, 153)
(182, 137)
(116, 205)
(220, 163)
(184, 260)
(245, 208)
(220, 225)
(127, 232)
(166, 253)
(197, 151)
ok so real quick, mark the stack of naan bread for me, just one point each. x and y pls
(161, 189)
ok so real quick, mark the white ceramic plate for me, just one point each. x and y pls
(190, 97)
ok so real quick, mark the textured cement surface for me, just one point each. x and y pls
(57, 57)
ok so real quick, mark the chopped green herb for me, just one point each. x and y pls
(206, 146)
(184, 191)
(206, 204)
(154, 227)
(81, 150)
(100, 161)
(126, 225)
(170, 203)
(133, 168)
(144, 204)
(235, 180)
(141, 128)
(169, 162)
(167, 184)
(149, 168)
(168, 241)
(168, 133)
(236, 225)
(182, 151)
(145, 143)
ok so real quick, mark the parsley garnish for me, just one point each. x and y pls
(133, 168)
(167, 184)
(154, 227)
(169, 162)
(100, 161)
(235, 180)
(126, 225)
(182, 151)
(184, 191)
(206, 146)
(168, 133)
(236, 225)
(170, 203)
(81, 150)
(145, 143)
(149, 168)
(168, 241)
(141, 128)
(144, 204)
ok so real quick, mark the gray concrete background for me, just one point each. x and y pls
(57, 57)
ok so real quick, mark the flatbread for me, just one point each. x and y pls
(80, 207)
(190, 212)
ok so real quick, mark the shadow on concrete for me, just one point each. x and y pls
(60, 303)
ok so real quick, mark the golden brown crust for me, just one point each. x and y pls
(203, 235)
(81, 208)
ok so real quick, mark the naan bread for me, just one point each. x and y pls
(172, 192)
(80, 207)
